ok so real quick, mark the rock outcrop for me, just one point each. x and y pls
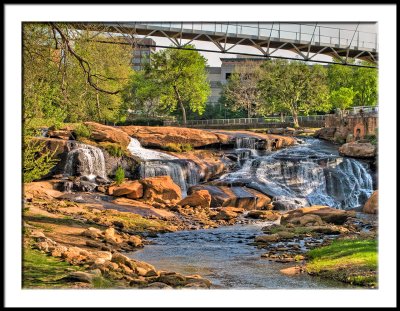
(161, 189)
(200, 198)
(323, 213)
(358, 150)
(371, 206)
(158, 137)
(234, 196)
(105, 133)
(131, 189)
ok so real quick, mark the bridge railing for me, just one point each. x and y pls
(248, 121)
(304, 32)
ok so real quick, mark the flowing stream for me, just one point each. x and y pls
(223, 256)
(309, 173)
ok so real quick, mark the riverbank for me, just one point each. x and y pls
(79, 216)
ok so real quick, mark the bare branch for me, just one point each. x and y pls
(83, 63)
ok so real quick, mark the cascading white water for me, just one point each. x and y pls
(183, 172)
(245, 142)
(136, 149)
(301, 175)
(85, 160)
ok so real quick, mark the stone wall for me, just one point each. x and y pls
(350, 128)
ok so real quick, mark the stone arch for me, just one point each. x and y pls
(359, 131)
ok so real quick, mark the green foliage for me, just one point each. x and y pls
(242, 89)
(119, 175)
(363, 81)
(113, 149)
(181, 78)
(82, 131)
(37, 160)
(186, 147)
(142, 95)
(42, 271)
(55, 81)
(353, 261)
(176, 147)
(342, 98)
(294, 87)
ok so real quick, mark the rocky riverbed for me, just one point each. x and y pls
(229, 185)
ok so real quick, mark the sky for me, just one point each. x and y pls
(367, 33)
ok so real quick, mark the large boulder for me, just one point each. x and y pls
(241, 197)
(358, 150)
(105, 133)
(371, 206)
(326, 133)
(132, 190)
(265, 215)
(161, 189)
(158, 137)
(200, 198)
(325, 213)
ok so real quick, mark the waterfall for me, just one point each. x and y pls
(136, 149)
(184, 173)
(85, 160)
(245, 142)
(302, 176)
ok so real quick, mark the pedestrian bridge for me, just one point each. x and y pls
(307, 40)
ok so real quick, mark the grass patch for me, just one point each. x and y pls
(138, 223)
(101, 282)
(352, 261)
(175, 147)
(42, 271)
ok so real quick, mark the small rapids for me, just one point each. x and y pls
(184, 173)
(305, 175)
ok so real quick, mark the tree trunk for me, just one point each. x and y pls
(282, 120)
(295, 119)
(178, 96)
(98, 105)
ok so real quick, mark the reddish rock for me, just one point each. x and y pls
(234, 196)
(160, 189)
(200, 198)
(102, 133)
(225, 213)
(132, 190)
(158, 137)
(41, 190)
(266, 215)
(326, 213)
(371, 206)
(358, 150)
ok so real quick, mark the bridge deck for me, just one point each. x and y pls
(306, 40)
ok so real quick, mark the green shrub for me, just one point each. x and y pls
(175, 147)
(82, 131)
(113, 149)
(38, 161)
(186, 147)
(119, 175)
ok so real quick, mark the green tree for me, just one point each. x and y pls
(363, 81)
(242, 88)
(142, 95)
(182, 78)
(342, 98)
(366, 86)
(294, 87)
